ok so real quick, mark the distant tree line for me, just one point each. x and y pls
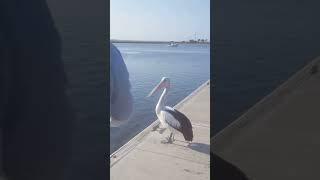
(196, 41)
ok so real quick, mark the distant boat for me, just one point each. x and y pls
(172, 44)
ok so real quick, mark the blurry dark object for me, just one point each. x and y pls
(223, 170)
(35, 119)
(314, 69)
(120, 95)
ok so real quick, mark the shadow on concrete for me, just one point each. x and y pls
(200, 147)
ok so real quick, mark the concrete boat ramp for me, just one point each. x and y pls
(146, 158)
(278, 138)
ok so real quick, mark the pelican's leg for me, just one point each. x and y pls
(170, 138)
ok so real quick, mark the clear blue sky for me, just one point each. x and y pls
(161, 20)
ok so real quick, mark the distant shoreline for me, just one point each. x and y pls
(156, 42)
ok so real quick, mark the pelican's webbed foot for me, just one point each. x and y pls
(169, 139)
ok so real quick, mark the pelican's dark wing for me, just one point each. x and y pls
(180, 122)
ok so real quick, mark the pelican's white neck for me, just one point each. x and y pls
(161, 101)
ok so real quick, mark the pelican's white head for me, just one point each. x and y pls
(164, 83)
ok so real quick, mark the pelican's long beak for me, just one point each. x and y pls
(158, 87)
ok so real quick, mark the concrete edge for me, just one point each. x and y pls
(263, 106)
(126, 148)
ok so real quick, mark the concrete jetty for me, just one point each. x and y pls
(145, 157)
(278, 138)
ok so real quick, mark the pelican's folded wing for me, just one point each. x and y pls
(180, 119)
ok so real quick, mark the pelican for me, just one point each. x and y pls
(169, 117)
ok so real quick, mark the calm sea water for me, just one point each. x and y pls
(187, 66)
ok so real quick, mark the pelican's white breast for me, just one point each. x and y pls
(169, 121)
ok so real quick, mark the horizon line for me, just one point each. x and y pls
(208, 40)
